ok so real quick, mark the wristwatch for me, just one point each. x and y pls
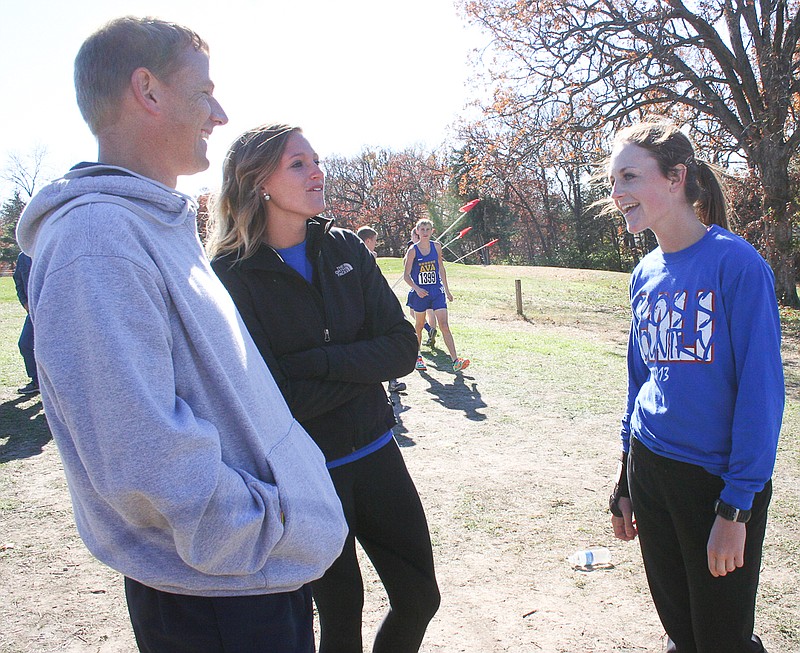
(727, 511)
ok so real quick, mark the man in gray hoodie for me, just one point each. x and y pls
(187, 472)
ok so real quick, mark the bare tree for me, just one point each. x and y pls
(728, 68)
(26, 171)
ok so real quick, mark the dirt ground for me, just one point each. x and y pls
(509, 493)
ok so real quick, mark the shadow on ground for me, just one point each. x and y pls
(23, 428)
(460, 394)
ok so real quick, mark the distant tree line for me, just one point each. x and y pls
(563, 75)
(539, 202)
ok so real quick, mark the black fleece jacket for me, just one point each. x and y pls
(329, 344)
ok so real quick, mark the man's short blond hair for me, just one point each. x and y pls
(107, 59)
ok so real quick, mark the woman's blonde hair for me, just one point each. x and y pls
(670, 147)
(238, 213)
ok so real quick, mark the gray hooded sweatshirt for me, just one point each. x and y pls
(187, 471)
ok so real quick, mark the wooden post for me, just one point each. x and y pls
(518, 284)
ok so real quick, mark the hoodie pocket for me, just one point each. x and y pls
(314, 525)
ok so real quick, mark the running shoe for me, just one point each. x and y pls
(460, 364)
(396, 386)
(31, 388)
(420, 366)
(432, 337)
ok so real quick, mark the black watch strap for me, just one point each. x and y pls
(727, 511)
(621, 488)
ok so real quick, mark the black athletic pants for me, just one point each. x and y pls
(673, 503)
(385, 515)
(177, 623)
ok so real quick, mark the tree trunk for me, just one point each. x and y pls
(773, 165)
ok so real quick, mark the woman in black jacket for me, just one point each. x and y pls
(331, 331)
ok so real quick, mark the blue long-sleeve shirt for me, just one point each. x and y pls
(705, 378)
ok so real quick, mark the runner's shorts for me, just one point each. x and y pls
(433, 300)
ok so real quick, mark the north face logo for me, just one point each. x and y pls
(343, 269)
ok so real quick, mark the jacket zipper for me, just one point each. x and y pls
(326, 334)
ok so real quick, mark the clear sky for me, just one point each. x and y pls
(351, 73)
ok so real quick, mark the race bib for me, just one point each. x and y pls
(427, 274)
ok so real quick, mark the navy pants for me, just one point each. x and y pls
(385, 515)
(177, 623)
(673, 503)
(26, 348)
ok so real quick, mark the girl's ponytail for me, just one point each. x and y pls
(711, 206)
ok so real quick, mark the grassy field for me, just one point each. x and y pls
(513, 461)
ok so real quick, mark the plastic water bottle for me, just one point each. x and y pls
(590, 557)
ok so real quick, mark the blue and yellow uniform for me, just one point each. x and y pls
(425, 273)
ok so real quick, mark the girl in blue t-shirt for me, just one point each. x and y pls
(705, 395)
